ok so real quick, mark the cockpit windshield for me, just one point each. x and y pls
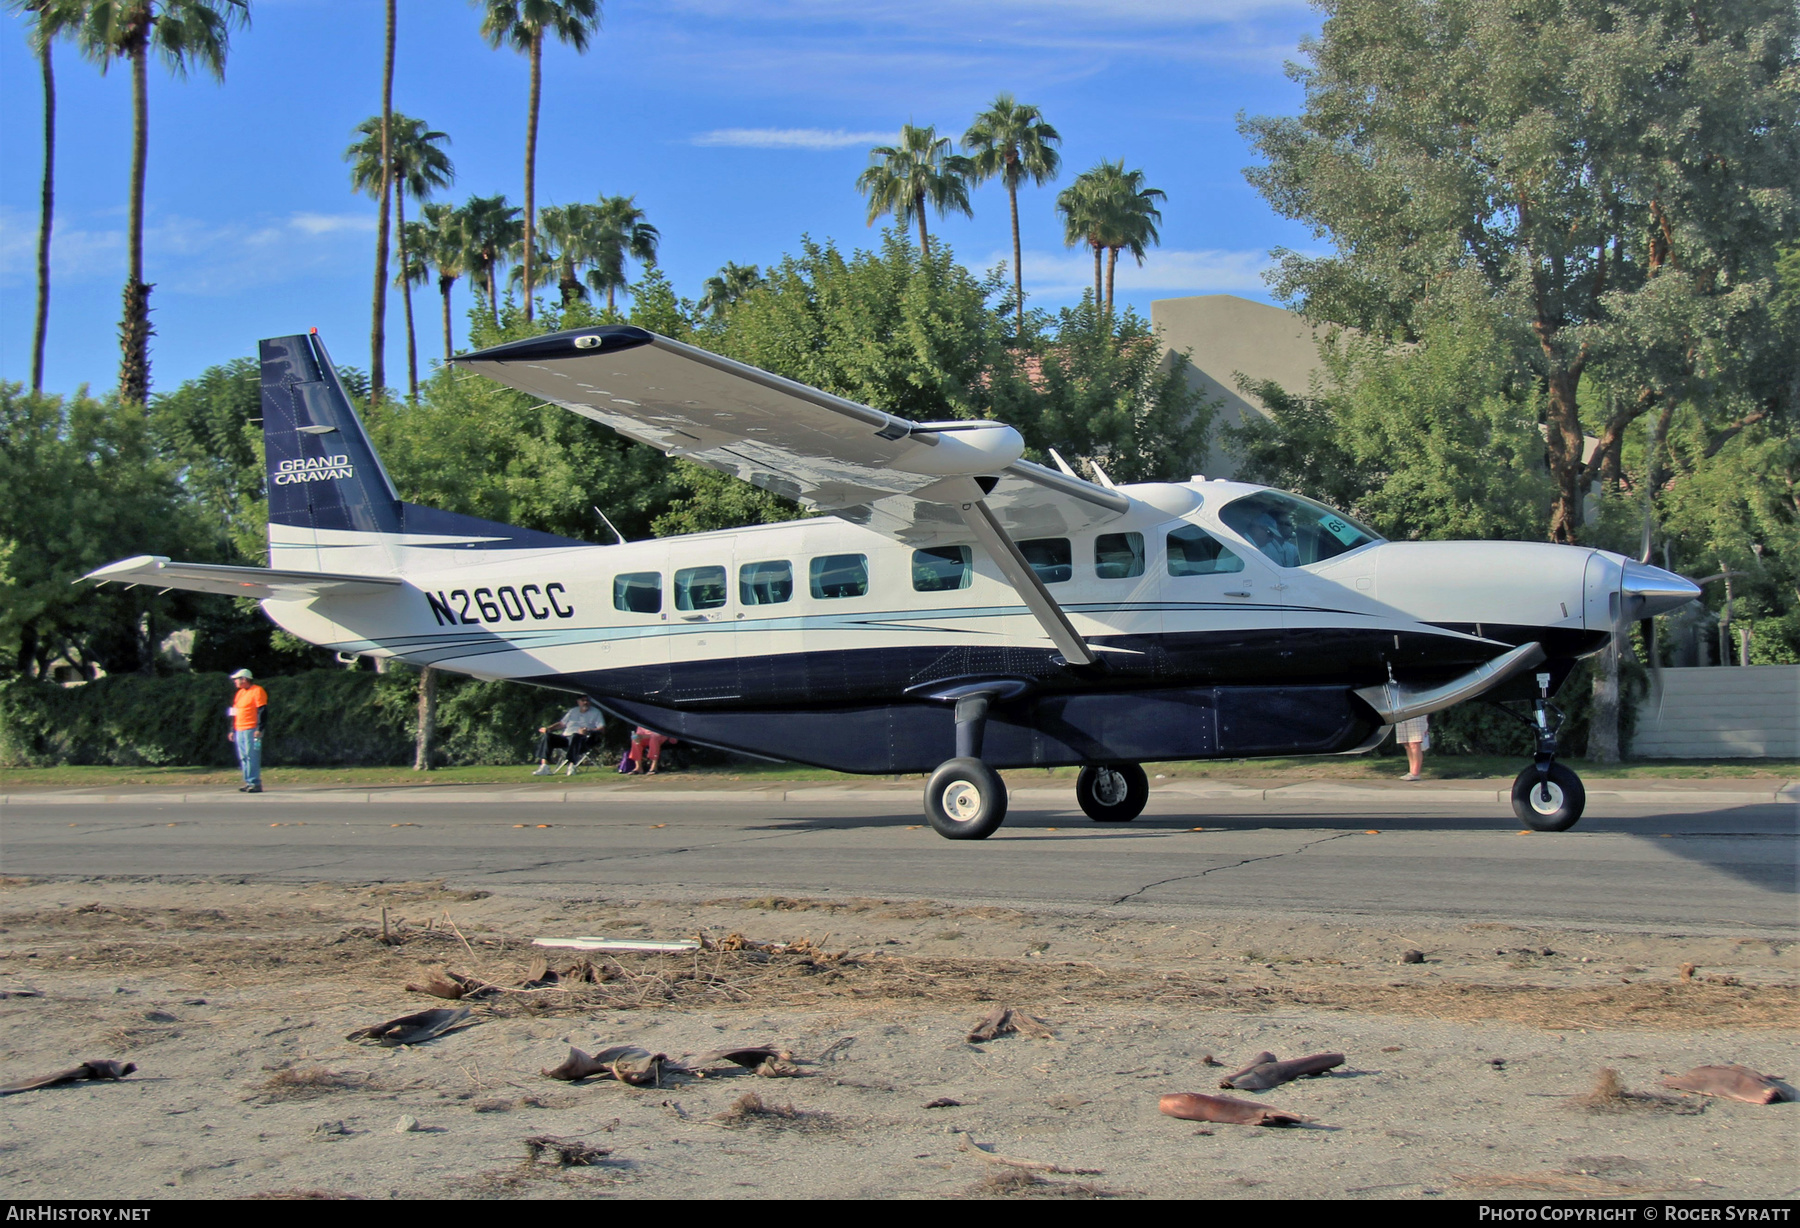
(1292, 530)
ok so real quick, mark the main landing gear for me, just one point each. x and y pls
(1547, 796)
(966, 799)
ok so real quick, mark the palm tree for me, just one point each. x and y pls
(727, 286)
(184, 33)
(437, 243)
(43, 33)
(1080, 207)
(417, 167)
(491, 232)
(522, 24)
(378, 311)
(568, 231)
(1128, 215)
(1013, 142)
(1111, 210)
(902, 179)
(620, 232)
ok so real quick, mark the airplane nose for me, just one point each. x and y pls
(1648, 591)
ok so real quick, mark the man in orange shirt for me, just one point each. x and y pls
(248, 707)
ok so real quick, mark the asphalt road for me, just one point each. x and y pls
(1681, 864)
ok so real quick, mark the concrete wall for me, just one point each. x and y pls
(1225, 335)
(1725, 712)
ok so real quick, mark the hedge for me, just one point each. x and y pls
(328, 717)
(357, 718)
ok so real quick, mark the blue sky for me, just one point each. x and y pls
(739, 125)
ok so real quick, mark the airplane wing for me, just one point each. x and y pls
(901, 478)
(258, 582)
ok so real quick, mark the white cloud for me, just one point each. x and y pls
(791, 138)
(1208, 271)
(331, 223)
(186, 255)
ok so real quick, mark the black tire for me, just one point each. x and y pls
(965, 800)
(1112, 792)
(1557, 812)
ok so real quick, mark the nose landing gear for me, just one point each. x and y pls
(1547, 796)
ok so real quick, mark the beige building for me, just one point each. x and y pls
(1226, 336)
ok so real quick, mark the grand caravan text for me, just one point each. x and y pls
(503, 604)
(314, 469)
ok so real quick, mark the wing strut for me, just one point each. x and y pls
(1025, 581)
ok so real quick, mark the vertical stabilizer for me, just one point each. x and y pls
(322, 471)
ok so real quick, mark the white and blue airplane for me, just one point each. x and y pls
(956, 610)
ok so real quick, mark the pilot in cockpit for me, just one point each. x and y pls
(1273, 533)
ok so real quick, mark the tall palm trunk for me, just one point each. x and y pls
(924, 239)
(134, 328)
(537, 81)
(1112, 263)
(1012, 192)
(570, 285)
(493, 295)
(444, 284)
(1096, 248)
(378, 322)
(412, 349)
(44, 217)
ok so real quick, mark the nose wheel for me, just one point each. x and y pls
(1548, 801)
(1547, 796)
(1112, 793)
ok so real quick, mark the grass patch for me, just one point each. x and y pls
(1437, 767)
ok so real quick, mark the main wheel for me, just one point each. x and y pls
(1112, 793)
(1553, 804)
(965, 800)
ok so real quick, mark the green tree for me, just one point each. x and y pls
(403, 156)
(1618, 176)
(84, 487)
(902, 180)
(727, 286)
(183, 33)
(1116, 213)
(568, 234)
(1013, 143)
(521, 25)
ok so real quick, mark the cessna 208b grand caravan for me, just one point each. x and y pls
(957, 610)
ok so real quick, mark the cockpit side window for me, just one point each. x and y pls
(1294, 531)
(1195, 552)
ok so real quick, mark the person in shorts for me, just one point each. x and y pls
(249, 707)
(580, 726)
(1414, 736)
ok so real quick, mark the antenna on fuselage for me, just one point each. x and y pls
(1062, 464)
(609, 524)
(1101, 474)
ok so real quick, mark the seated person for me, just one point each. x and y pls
(581, 727)
(646, 751)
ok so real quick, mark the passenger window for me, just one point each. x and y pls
(638, 592)
(941, 569)
(699, 588)
(840, 575)
(1051, 557)
(1119, 556)
(766, 583)
(1195, 552)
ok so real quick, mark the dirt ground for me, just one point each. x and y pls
(1467, 1072)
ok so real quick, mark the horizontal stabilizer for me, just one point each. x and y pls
(258, 582)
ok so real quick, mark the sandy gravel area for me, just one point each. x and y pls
(1466, 1071)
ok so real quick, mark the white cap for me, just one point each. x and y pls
(243, 673)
